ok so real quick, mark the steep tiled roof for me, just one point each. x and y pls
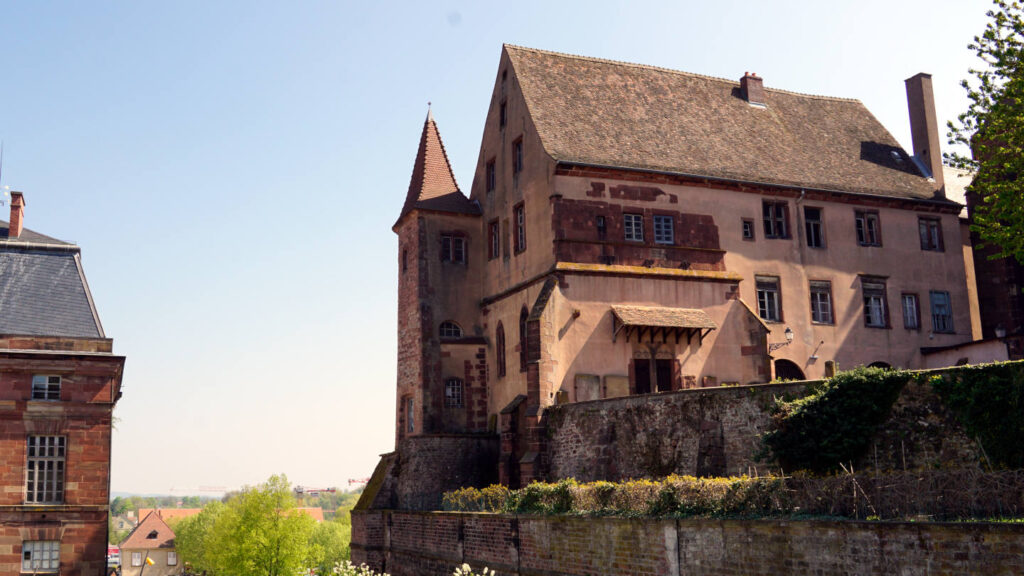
(604, 113)
(663, 317)
(43, 291)
(151, 533)
(433, 186)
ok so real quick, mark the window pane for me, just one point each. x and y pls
(768, 300)
(663, 230)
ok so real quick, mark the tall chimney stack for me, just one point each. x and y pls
(924, 128)
(752, 88)
(17, 215)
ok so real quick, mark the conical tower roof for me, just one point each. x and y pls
(433, 185)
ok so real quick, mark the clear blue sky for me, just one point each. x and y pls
(232, 170)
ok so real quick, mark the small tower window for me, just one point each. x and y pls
(450, 329)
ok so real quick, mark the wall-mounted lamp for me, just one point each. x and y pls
(777, 345)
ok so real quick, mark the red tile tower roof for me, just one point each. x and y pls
(433, 185)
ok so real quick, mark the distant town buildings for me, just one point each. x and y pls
(59, 381)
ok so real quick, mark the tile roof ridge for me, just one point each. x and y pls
(444, 151)
(671, 71)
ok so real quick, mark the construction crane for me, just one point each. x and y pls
(220, 489)
(302, 490)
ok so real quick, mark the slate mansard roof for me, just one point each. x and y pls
(43, 291)
(613, 114)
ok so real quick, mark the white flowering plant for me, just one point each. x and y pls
(467, 570)
(347, 568)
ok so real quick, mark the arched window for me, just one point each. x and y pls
(880, 364)
(450, 329)
(499, 352)
(523, 316)
(453, 393)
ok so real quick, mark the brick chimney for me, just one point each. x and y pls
(17, 214)
(924, 128)
(752, 88)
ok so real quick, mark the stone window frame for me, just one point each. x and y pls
(818, 315)
(815, 228)
(769, 286)
(747, 229)
(136, 558)
(914, 309)
(775, 218)
(524, 327)
(40, 556)
(632, 227)
(519, 221)
(942, 322)
(46, 387)
(930, 232)
(490, 176)
(449, 330)
(868, 226)
(662, 239)
(410, 414)
(499, 349)
(45, 469)
(454, 247)
(517, 158)
(493, 239)
(453, 393)
(876, 302)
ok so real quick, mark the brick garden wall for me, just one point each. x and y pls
(433, 543)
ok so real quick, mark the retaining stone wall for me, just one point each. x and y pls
(434, 543)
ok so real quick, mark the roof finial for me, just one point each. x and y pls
(430, 115)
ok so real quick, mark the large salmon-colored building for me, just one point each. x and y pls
(632, 229)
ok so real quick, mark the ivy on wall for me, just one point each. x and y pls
(988, 400)
(835, 423)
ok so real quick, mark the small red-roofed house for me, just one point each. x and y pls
(149, 549)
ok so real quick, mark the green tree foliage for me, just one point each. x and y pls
(993, 128)
(259, 533)
(192, 534)
(329, 545)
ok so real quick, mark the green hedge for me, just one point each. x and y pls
(673, 496)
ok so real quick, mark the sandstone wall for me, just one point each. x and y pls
(705, 432)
